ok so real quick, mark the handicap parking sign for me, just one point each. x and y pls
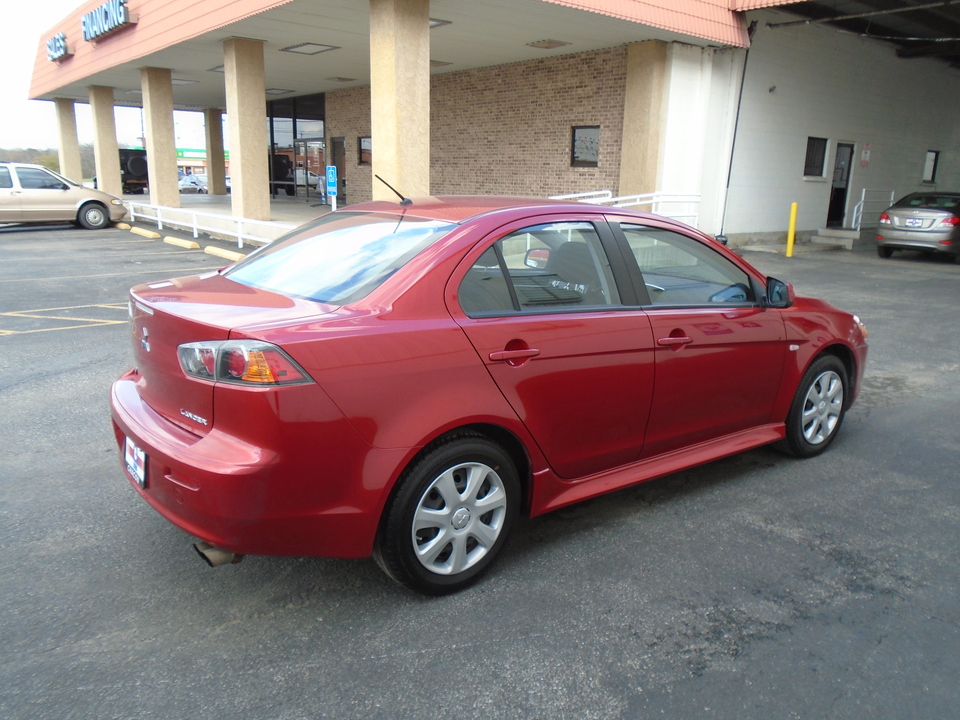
(331, 180)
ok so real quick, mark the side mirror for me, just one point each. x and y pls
(537, 258)
(780, 294)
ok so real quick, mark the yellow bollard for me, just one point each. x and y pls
(792, 230)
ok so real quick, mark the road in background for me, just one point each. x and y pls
(755, 587)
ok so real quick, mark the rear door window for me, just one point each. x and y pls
(542, 268)
(5, 180)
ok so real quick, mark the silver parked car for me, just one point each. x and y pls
(32, 193)
(927, 221)
(193, 184)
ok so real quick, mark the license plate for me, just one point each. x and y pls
(136, 462)
(913, 222)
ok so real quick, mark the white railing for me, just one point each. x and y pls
(678, 207)
(595, 197)
(878, 200)
(203, 221)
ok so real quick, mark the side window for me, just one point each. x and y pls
(35, 179)
(484, 289)
(678, 270)
(553, 266)
(5, 180)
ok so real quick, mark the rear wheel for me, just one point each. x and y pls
(449, 515)
(93, 216)
(818, 408)
(884, 251)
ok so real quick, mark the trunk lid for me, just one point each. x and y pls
(198, 308)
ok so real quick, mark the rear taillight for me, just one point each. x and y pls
(242, 362)
(951, 221)
(884, 219)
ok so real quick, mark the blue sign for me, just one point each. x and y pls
(332, 180)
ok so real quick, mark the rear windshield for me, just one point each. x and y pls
(338, 258)
(933, 202)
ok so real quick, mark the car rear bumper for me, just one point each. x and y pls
(253, 500)
(917, 240)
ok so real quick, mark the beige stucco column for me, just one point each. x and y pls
(643, 117)
(69, 149)
(400, 96)
(159, 137)
(246, 120)
(216, 172)
(105, 148)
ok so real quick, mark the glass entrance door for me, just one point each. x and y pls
(309, 172)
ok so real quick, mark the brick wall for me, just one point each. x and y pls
(505, 129)
(348, 116)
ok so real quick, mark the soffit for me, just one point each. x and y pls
(483, 34)
(918, 28)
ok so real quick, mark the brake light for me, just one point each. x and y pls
(951, 221)
(884, 219)
(243, 362)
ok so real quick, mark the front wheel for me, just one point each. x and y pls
(818, 408)
(93, 216)
(449, 515)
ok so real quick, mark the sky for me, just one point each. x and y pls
(33, 123)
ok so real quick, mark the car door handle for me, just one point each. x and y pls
(673, 341)
(507, 355)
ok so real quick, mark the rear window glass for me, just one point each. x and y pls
(924, 200)
(338, 258)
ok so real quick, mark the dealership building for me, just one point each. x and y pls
(735, 108)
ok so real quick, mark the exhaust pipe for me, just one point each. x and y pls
(215, 556)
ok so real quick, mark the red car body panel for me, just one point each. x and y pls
(308, 469)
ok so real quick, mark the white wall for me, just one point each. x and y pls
(804, 81)
(700, 96)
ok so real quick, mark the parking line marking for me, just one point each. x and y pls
(42, 314)
(176, 271)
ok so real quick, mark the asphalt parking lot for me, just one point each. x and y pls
(755, 587)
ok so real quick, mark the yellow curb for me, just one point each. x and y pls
(122, 226)
(226, 254)
(146, 233)
(189, 244)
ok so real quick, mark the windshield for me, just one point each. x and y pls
(339, 257)
(935, 202)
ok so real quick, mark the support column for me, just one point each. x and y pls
(216, 172)
(160, 139)
(643, 117)
(400, 96)
(105, 149)
(69, 149)
(246, 118)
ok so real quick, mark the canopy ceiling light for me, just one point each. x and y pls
(309, 48)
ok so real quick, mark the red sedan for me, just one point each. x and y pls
(405, 380)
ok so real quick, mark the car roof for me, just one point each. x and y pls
(459, 208)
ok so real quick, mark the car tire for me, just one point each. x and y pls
(884, 251)
(818, 408)
(449, 515)
(93, 216)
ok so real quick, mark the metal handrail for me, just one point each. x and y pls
(196, 227)
(592, 196)
(657, 201)
(884, 202)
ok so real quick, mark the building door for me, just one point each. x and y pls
(337, 157)
(309, 171)
(841, 180)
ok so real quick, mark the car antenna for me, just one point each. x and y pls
(403, 200)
